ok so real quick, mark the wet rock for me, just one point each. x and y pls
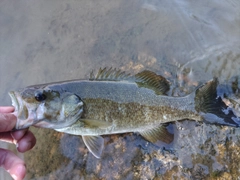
(199, 151)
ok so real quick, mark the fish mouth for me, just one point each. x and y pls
(15, 102)
(21, 112)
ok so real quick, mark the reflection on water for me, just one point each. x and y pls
(187, 42)
(221, 61)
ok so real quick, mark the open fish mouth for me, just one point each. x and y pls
(24, 119)
(15, 102)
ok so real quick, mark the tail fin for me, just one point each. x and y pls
(212, 107)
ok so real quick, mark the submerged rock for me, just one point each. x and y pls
(199, 151)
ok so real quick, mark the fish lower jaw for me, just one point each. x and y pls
(21, 111)
(25, 123)
(15, 113)
(15, 102)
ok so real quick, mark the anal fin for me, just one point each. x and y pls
(157, 133)
(94, 144)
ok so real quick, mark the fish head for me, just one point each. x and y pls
(45, 108)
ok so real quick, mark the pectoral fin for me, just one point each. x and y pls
(89, 123)
(158, 133)
(94, 144)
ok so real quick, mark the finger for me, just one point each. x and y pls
(12, 164)
(24, 139)
(17, 135)
(6, 109)
(13, 137)
(7, 137)
(7, 121)
(27, 142)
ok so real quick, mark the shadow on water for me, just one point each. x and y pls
(184, 41)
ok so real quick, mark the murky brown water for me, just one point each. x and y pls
(187, 42)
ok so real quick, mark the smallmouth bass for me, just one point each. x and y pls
(112, 102)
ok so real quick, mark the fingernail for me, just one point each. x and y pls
(24, 146)
(14, 140)
(19, 172)
(14, 176)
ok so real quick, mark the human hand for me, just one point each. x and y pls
(24, 140)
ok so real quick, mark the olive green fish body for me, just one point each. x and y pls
(115, 102)
(127, 107)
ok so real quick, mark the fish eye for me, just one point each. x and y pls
(39, 96)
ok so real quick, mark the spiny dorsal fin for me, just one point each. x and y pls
(145, 79)
(151, 80)
(158, 133)
(109, 74)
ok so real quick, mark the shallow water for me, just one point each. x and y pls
(187, 42)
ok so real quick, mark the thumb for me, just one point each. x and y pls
(12, 164)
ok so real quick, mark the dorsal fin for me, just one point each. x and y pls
(147, 79)
(109, 74)
(151, 80)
